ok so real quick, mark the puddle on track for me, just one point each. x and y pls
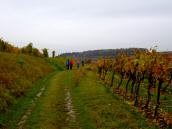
(70, 110)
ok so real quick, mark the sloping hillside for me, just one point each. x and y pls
(17, 74)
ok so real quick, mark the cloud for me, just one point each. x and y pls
(80, 25)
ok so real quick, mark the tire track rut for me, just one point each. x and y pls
(22, 121)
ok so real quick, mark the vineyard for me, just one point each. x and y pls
(142, 80)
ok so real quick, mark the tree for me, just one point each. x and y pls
(53, 54)
(29, 48)
(36, 52)
(2, 44)
(151, 60)
(45, 52)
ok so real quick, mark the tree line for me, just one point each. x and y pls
(95, 54)
(28, 49)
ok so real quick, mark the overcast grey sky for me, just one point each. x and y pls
(77, 25)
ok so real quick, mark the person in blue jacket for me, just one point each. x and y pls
(67, 64)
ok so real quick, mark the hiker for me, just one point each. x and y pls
(78, 64)
(67, 64)
(71, 64)
(82, 62)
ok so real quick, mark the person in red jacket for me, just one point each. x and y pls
(71, 64)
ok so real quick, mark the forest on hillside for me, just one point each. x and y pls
(95, 54)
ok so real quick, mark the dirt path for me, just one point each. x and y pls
(22, 122)
(54, 109)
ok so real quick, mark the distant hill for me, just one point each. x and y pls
(167, 53)
(94, 54)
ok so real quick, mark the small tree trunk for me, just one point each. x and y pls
(122, 77)
(112, 79)
(126, 87)
(132, 86)
(137, 93)
(148, 97)
(158, 98)
(140, 80)
(133, 77)
(148, 91)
